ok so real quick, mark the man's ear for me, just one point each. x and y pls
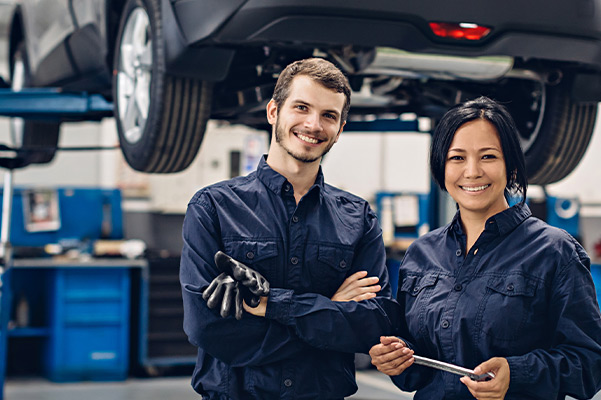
(272, 112)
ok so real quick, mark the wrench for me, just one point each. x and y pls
(454, 369)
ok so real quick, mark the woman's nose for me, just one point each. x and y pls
(472, 169)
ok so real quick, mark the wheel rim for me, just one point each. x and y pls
(535, 120)
(17, 125)
(134, 75)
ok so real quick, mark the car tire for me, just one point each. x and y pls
(562, 133)
(36, 140)
(161, 119)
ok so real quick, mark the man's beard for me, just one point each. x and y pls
(279, 136)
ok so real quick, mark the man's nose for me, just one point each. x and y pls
(313, 122)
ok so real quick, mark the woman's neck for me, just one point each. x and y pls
(473, 223)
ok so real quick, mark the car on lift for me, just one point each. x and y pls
(170, 65)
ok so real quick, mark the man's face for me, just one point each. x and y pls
(309, 122)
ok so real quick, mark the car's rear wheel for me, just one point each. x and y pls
(555, 130)
(37, 139)
(161, 118)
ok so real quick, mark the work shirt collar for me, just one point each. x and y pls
(501, 223)
(278, 183)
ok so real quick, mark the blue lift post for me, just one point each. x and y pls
(42, 104)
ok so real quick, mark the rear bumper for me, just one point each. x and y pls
(542, 29)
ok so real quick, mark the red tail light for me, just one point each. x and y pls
(461, 31)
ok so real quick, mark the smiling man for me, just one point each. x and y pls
(319, 247)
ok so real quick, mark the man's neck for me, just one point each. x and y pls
(301, 175)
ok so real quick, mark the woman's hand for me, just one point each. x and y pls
(494, 389)
(357, 287)
(391, 356)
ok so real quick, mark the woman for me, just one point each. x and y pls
(497, 289)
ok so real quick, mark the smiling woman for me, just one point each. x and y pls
(475, 170)
(470, 291)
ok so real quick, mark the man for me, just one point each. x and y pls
(315, 244)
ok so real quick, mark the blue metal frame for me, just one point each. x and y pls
(53, 104)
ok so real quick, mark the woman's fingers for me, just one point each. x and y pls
(357, 287)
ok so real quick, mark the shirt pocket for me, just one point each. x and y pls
(331, 269)
(414, 295)
(507, 307)
(259, 255)
(413, 285)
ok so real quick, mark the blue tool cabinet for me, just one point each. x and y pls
(79, 311)
(89, 324)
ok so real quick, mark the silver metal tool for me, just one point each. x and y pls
(454, 369)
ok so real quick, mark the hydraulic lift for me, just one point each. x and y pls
(42, 104)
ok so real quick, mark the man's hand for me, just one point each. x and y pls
(258, 310)
(357, 287)
(246, 276)
(223, 293)
(494, 389)
(391, 356)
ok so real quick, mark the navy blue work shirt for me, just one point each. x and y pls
(523, 292)
(304, 347)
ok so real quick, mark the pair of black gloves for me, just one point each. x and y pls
(236, 283)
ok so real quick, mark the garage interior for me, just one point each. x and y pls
(90, 297)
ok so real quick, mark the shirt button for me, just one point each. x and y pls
(287, 187)
(445, 324)
(415, 290)
(458, 287)
(458, 252)
(510, 287)
(294, 260)
(295, 219)
(250, 255)
(342, 264)
(475, 251)
(287, 382)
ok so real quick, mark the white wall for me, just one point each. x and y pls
(364, 163)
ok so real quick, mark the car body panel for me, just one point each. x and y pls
(67, 40)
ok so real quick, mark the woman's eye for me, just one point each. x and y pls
(488, 157)
(455, 158)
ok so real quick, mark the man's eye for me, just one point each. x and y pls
(331, 116)
(301, 107)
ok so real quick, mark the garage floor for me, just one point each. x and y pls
(372, 386)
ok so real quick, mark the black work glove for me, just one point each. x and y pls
(252, 284)
(224, 293)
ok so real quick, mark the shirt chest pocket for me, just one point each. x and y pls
(331, 269)
(507, 306)
(259, 255)
(413, 285)
(414, 296)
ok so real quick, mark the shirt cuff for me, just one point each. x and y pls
(519, 374)
(278, 305)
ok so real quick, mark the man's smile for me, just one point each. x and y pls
(308, 139)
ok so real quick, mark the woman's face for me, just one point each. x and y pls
(475, 174)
